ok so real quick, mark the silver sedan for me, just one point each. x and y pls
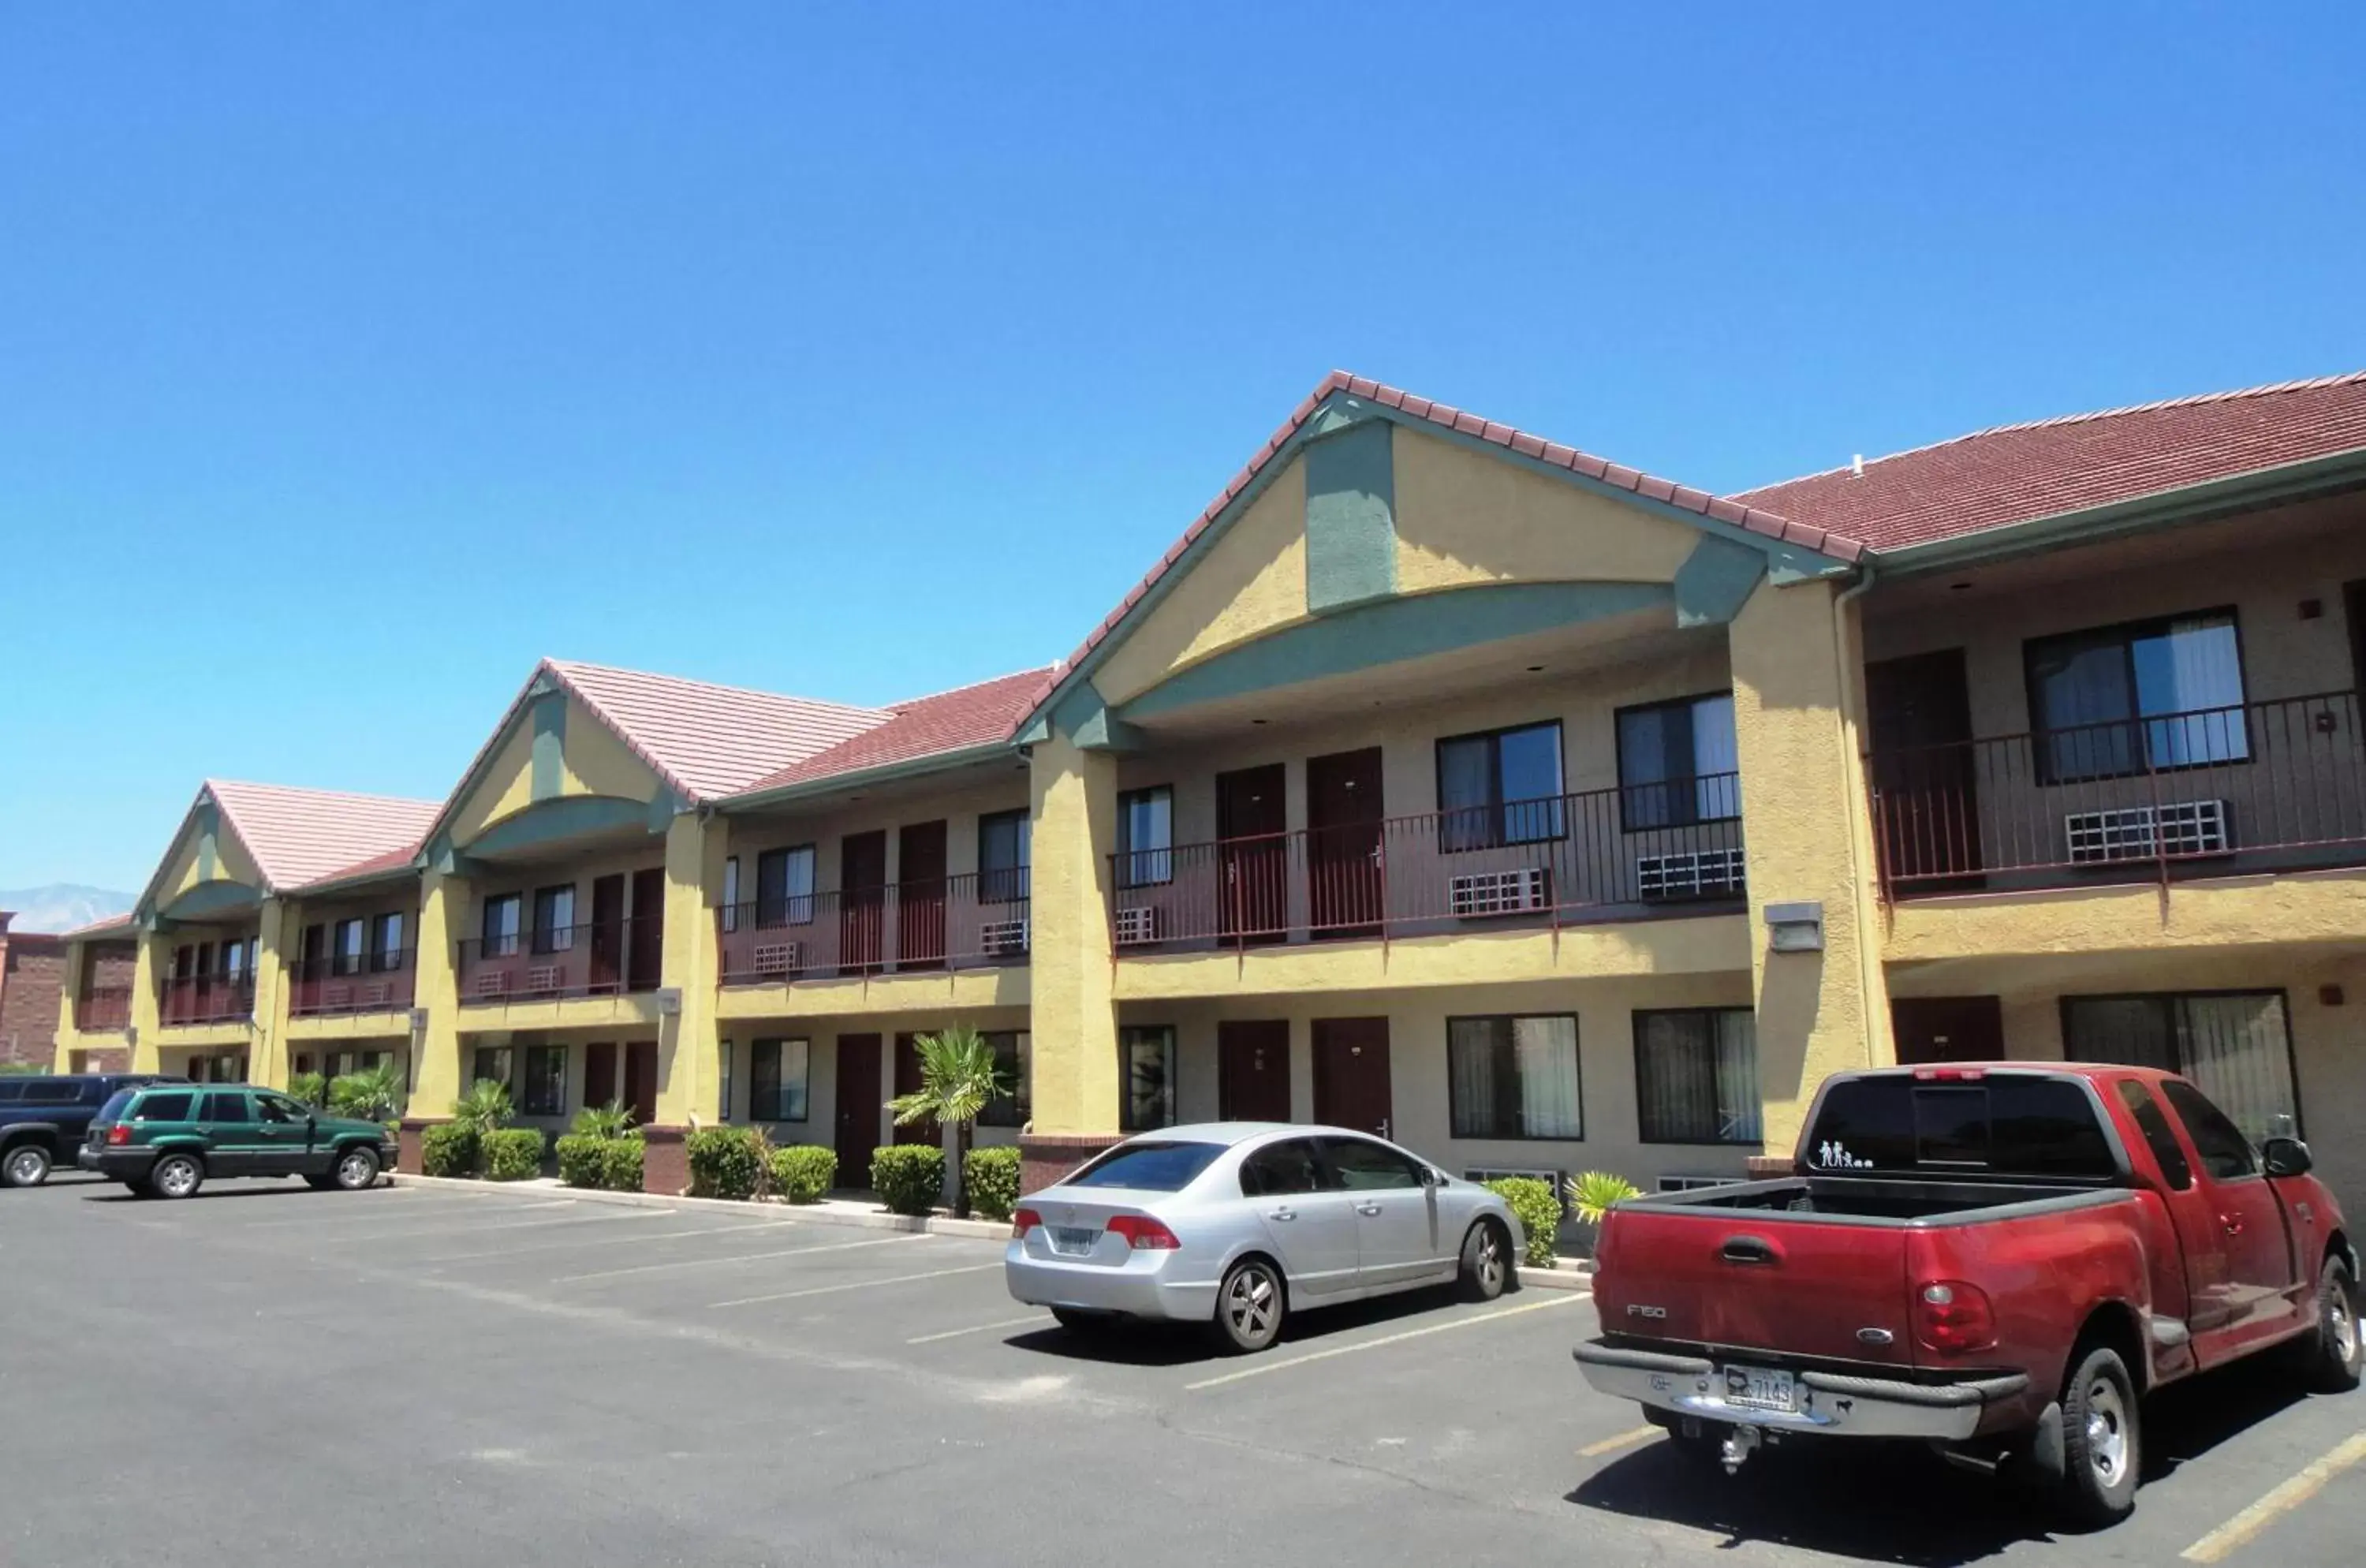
(1237, 1223)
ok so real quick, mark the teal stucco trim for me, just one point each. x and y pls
(549, 766)
(1351, 523)
(1391, 631)
(549, 823)
(1084, 717)
(211, 899)
(1715, 580)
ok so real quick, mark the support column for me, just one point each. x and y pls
(443, 904)
(1074, 1023)
(1808, 837)
(689, 1067)
(266, 1055)
(145, 1009)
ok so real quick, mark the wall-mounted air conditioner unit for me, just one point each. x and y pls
(779, 957)
(1516, 891)
(2132, 832)
(492, 983)
(1002, 939)
(1697, 873)
(1139, 925)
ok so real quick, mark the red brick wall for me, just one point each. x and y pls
(32, 973)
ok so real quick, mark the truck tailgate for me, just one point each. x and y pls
(1756, 1280)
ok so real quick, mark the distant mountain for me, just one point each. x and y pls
(62, 905)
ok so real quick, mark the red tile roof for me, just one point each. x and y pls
(706, 740)
(304, 835)
(925, 727)
(392, 860)
(99, 928)
(2017, 473)
(1756, 519)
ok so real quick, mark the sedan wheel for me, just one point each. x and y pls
(27, 1167)
(1250, 1305)
(176, 1176)
(1486, 1262)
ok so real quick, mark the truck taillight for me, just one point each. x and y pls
(1954, 1317)
(1022, 1221)
(118, 1135)
(1950, 1074)
(1144, 1233)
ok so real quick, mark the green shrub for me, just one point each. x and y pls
(1538, 1211)
(309, 1088)
(726, 1162)
(908, 1177)
(513, 1154)
(583, 1160)
(804, 1173)
(448, 1148)
(991, 1174)
(620, 1163)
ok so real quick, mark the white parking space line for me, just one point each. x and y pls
(1623, 1441)
(741, 1257)
(852, 1285)
(1262, 1367)
(2240, 1529)
(464, 1226)
(1036, 1318)
(728, 1228)
(347, 1213)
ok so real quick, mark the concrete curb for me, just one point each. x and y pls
(830, 1211)
(1567, 1274)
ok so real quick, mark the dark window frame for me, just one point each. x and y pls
(383, 959)
(1015, 1108)
(1453, 1100)
(2127, 634)
(759, 1110)
(1005, 884)
(1462, 829)
(2284, 1000)
(1127, 1038)
(340, 963)
(551, 935)
(1689, 782)
(784, 907)
(1637, 1019)
(523, 1066)
(1144, 867)
(492, 945)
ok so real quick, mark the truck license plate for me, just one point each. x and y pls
(1759, 1388)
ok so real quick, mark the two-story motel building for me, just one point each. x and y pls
(1440, 780)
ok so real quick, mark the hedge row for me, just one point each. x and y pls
(991, 1176)
(908, 1177)
(804, 1173)
(613, 1164)
(511, 1154)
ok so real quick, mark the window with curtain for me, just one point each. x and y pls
(491, 1063)
(543, 1092)
(732, 893)
(385, 943)
(1501, 788)
(1513, 1078)
(554, 918)
(500, 925)
(776, 1080)
(1013, 1060)
(1697, 1076)
(785, 886)
(1003, 855)
(346, 948)
(1678, 763)
(2236, 1046)
(1145, 836)
(2117, 700)
(1147, 1056)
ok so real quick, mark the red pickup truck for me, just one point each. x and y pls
(1999, 1260)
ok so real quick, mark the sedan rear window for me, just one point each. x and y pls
(1148, 1168)
(2001, 1124)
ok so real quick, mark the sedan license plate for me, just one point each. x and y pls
(1074, 1240)
(1761, 1388)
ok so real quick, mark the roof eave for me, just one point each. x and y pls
(885, 773)
(2222, 497)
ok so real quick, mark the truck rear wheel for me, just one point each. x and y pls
(2100, 1439)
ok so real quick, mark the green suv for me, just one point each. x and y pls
(164, 1139)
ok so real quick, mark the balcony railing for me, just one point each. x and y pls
(956, 922)
(333, 988)
(207, 998)
(2268, 786)
(606, 959)
(103, 1008)
(1629, 854)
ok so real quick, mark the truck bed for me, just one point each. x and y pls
(1861, 1200)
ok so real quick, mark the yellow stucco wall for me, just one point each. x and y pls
(1075, 796)
(2314, 908)
(185, 870)
(592, 762)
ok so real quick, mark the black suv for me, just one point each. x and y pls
(42, 1120)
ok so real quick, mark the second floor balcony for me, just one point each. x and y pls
(338, 987)
(99, 1008)
(2244, 789)
(974, 922)
(1637, 852)
(604, 959)
(187, 999)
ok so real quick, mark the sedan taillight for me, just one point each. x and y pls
(1144, 1233)
(1022, 1221)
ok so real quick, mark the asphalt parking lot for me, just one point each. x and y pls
(265, 1373)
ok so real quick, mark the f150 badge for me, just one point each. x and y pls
(1637, 1309)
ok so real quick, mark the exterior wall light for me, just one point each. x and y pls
(1795, 928)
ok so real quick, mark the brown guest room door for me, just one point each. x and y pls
(1252, 888)
(1923, 767)
(1343, 842)
(1253, 1070)
(920, 896)
(858, 1107)
(862, 901)
(1351, 1073)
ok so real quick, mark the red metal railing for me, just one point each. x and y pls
(600, 960)
(330, 988)
(1631, 852)
(103, 1006)
(971, 921)
(2264, 786)
(206, 999)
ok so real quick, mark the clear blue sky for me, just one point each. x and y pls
(353, 357)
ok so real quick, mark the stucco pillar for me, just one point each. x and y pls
(266, 1058)
(1076, 1088)
(1797, 705)
(146, 1009)
(435, 1074)
(689, 1073)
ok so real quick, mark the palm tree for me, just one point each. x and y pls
(609, 1120)
(959, 1079)
(374, 1095)
(485, 1108)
